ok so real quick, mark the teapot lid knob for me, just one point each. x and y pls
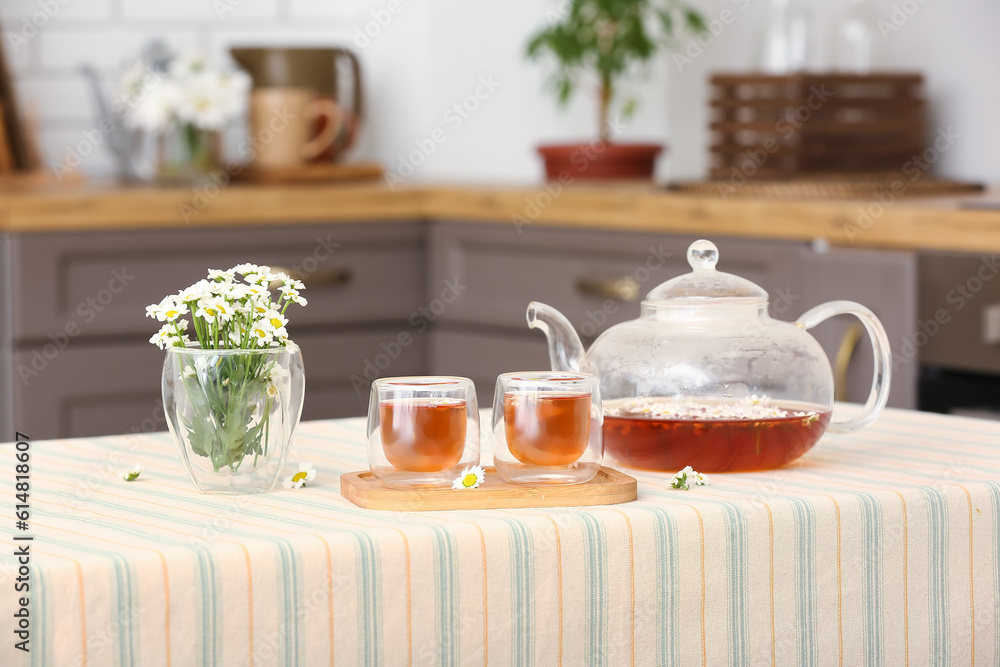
(703, 255)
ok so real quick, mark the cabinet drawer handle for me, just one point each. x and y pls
(620, 289)
(330, 278)
(842, 364)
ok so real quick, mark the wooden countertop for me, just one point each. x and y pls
(963, 224)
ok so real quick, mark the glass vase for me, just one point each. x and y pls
(186, 154)
(232, 414)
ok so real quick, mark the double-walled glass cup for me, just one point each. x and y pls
(547, 427)
(422, 431)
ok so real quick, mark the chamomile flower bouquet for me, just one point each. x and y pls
(185, 108)
(232, 380)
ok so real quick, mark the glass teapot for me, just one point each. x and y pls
(706, 378)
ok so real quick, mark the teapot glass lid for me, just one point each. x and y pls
(704, 282)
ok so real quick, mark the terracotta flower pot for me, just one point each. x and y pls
(599, 160)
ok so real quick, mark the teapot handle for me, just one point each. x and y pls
(882, 373)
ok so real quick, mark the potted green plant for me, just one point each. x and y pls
(607, 39)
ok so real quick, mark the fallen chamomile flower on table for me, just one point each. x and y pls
(305, 474)
(470, 478)
(132, 473)
(686, 477)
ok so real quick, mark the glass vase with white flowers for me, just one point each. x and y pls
(185, 109)
(234, 395)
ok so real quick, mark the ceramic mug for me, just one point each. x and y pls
(282, 122)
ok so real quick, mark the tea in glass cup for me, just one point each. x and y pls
(547, 427)
(422, 431)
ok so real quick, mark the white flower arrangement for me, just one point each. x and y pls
(230, 310)
(228, 313)
(191, 93)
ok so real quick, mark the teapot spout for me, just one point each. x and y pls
(566, 351)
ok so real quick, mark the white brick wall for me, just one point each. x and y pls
(47, 42)
(431, 53)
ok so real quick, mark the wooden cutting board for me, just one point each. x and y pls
(324, 172)
(609, 487)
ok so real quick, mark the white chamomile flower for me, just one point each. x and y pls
(262, 333)
(132, 473)
(278, 277)
(470, 478)
(272, 391)
(260, 279)
(193, 293)
(165, 337)
(274, 372)
(220, 276)
(686, 477)
(189, 372)
(214, 308)
(236, 336)
(171, 309)
(295, 284)
(259, 292)
(306, 473)
(275, 319)
(246, 268)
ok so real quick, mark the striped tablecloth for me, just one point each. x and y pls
(879, 548)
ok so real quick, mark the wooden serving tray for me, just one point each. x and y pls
(609, 487)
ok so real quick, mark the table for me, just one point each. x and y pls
(878, 548)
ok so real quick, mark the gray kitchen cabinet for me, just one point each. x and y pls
(76, 332)
(595, 278)
(884, 281)
(959, 319)
(103, 281)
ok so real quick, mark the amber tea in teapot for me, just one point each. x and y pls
(664, 434)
